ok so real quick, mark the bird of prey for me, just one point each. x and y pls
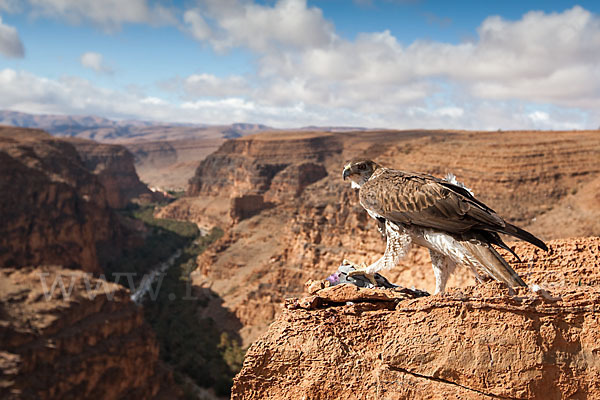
(440, 214)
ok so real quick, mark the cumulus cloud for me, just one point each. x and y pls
(26, 92)
(547, 58)
(109, 14)
(10, 42)
(540, 71)
(207, 85)
(237, 23)
(197, 25)
(95, 61)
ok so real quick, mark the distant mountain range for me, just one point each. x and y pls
(133, 131)
(166, 154)
(128, 131)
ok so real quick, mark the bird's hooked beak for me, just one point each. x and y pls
(346, 172)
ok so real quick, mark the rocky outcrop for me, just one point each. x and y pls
(248, 165)
(258, 171)
(86, 340)
(53, 209)
(478, 342)
(114, 167)
(247, 205)
(289, 183)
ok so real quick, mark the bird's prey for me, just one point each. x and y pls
(440, 214)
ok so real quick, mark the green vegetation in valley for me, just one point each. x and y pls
(193, 346)
(163, 238)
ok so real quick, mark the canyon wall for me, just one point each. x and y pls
(90, 343)
(115, 169)
(63, 332)
(53, 209)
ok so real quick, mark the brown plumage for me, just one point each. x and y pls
(427, 207)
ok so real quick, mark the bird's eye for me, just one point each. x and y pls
(362, 166)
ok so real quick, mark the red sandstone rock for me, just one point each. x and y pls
(53, 209)
(92, 343)
(475, 343)
(114, 167)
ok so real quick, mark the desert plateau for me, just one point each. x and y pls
(299, 200)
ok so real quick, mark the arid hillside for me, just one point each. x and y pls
(287, 221)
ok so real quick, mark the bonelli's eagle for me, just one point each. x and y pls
(441, 215)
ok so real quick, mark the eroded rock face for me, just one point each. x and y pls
(53, 209)
(290, 182)
(63, 333)
(249, 165)
(114, 167)
(476, 343)
(91, 343)
(247, 205)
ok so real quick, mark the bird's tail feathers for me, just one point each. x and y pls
(494, 238)
(492, 263)
(522, 234)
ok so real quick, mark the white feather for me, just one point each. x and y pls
(451, 178)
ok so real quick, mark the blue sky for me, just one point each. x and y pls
(396, 64)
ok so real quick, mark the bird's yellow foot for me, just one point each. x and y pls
(360, 270)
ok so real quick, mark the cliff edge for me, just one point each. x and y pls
(478, 342)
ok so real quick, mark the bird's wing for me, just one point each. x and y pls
(423, 200)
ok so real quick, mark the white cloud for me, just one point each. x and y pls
(197, 25)
(23, 91)
(154, 101)
(539, 116)
(207, 85)
(109, 14)
(95, 61)
(547, 58)
(235, 23)
(452, 112)
(10, 43)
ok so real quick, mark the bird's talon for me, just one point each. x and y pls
(364, 273)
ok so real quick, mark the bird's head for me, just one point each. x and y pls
(359, 171)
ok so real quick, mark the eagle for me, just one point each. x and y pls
(439, 214)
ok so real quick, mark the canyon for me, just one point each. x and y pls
(283, 228)
(288, 218)
(65, 331)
